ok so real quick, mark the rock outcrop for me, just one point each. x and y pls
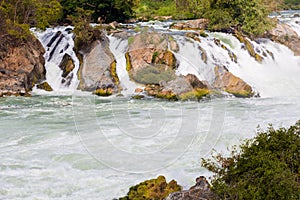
(200, 191)
(227, 82)
(182, 88)
(196, 24)
(67, 66)
(98, 69)
(21, 65)
(152, 189)
(285, 35)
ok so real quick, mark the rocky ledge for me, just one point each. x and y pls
(21, 65)
(159, 189)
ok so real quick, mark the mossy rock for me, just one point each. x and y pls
(195, 94)
(153, 189)
(128, 62)
(103, 92)
(241, 94)
(249, 47)
(113, 72)
(44, 86)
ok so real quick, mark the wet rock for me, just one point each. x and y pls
(182, 88)
(148, 57)
(44, 86)
(227, 82)
(67, 66)
(200, 191)
(196, 24)
(249, 47)
(194, 36)
(152, 189)
(21, 64)
(285, 35)
(98, 70)
(114, 24)
(138, 90)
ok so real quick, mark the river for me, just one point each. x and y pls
(73, 145)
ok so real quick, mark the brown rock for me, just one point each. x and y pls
(138, 90)
(149, 49)
(21, 64)
(285, 35)
(196, 24)
(98, 69)
(227, 82)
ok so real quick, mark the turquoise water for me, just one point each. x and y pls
(86, 147)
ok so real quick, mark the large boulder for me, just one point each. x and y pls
(230, 83)
(187, 87)
(196, 24)
(148, 56)
(67, 66)
(98, 69)
(152, 189)
(285, 35)
(21, 65)
(201, 190)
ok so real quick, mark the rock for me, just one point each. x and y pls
(148, 59)
(163, 18)
(227, 82)
(194, 36)
(21, 64)
(152, 189)
(138, 90)
(114, 24)
(67, 66)
(98, 70)
(196, 24)
(285, 35)
(200, 191)
(44, 86)
(182, 88)
(249, 47)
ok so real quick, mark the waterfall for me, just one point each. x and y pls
(276, 75)
(57, 43)
(118, 47)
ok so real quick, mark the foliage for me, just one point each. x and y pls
(152, 189)
(151, 9)
(17, 16)
(250, 17)
(85, 33)
(103, 10)
(266, 167)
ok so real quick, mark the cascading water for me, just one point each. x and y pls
(57, 43)
(118, 47)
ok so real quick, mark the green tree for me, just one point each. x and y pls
(266, 167)
(19, 15)
(248, 16)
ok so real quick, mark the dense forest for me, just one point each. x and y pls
(248, 16)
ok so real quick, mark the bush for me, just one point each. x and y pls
(266, 167)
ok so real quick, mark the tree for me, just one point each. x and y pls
(266, 167)
(248, 16)
(108, 10)
(19, 15)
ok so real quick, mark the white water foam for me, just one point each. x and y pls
(58, 42)
(118, 47)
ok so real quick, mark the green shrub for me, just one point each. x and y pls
(266, 167)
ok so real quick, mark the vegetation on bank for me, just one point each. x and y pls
(265, 167)
(250, 17)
